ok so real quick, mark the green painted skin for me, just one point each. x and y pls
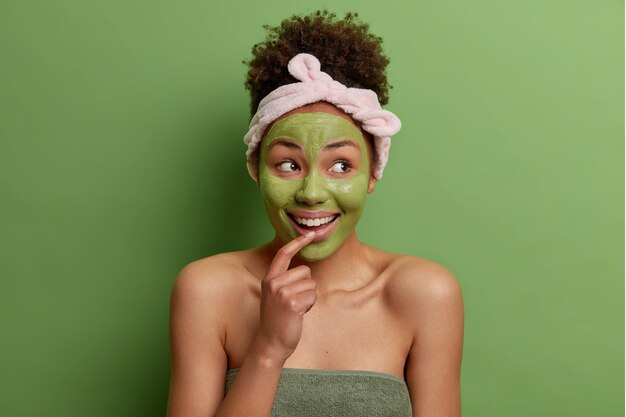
(315, 188)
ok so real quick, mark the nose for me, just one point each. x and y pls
(313, 190)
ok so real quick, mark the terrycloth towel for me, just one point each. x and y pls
(337, 393)
(315, 85)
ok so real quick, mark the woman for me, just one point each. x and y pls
(315, 322)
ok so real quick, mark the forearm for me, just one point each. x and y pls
(253, 391)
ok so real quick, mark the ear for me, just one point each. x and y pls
(371, 185)
(257, 180)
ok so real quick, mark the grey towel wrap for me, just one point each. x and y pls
(336, 393)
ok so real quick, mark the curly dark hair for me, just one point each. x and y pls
(345, 49)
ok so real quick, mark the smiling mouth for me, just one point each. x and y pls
(309, 223)
(323, 226)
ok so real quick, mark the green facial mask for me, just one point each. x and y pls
(314, 189)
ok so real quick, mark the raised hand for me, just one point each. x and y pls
(286, 295)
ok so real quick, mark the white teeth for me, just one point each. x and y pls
(314, 222)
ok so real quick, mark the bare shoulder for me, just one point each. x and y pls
(418, 283)
(203, 296)
(211, 283)
(219, 272)
(201, 302)
(427, 299)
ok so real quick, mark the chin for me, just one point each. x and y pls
(311, 253)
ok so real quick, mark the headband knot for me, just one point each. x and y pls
(306, 67)
(316, 85)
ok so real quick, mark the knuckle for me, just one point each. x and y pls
(284, 293)
(293, 305)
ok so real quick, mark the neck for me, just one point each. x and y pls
(344, 270)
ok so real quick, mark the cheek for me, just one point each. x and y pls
(351, 194)
(276, 192)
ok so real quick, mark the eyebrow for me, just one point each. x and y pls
(285, 143)
(339, 144)
(327, 147)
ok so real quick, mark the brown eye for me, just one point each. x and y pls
(341, 167)
(288, 166)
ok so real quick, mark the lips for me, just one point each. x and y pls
(321, 222)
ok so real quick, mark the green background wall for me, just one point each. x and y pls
(121, 160)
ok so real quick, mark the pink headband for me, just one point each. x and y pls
(315, 85)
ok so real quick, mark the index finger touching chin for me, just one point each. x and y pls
(281, 260)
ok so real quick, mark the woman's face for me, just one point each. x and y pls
(314, 174)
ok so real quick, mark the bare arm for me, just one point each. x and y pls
(199, 362)
(434, 306)
(197, 332)
(254, 389)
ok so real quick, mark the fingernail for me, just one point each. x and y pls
(311, 233)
